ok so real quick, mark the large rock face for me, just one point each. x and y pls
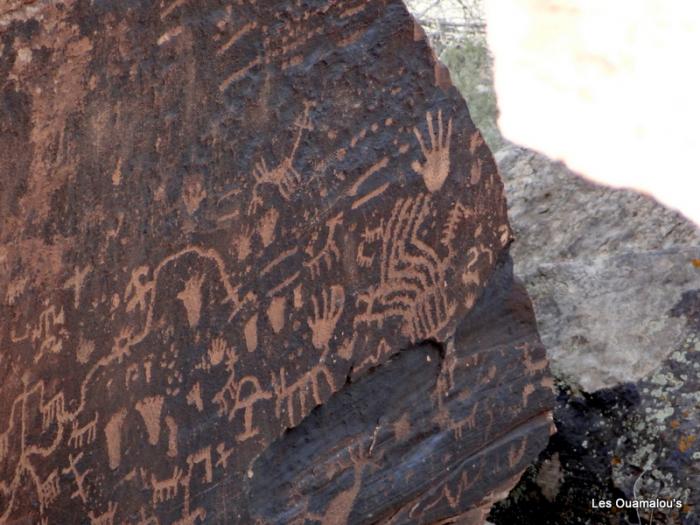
(216, 218)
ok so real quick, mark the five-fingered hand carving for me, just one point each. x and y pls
(326, 316)
(436, 167)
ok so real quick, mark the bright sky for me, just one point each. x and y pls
(610, 87)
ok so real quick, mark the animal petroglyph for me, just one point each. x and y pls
(436, 167)
(295, 394)
(166, 489)
(284, 176)
(53, 410)
(83, 435)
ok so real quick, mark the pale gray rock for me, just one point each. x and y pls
(604, 268)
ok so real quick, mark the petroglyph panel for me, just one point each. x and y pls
(217, 216)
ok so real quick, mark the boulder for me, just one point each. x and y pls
(253, 269)
(615, 280)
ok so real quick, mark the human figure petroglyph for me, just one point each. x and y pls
(224, 454)
(231, 398)
(76, 283)
(246, 402)
(138, 289)
(326, 315)
(78, 477)
(106, 518)
(166, 489)
(284, 176)
(436, 167)
(340, 507)
(48, 331)
(81, 436)
(150, 409)
(328, 253)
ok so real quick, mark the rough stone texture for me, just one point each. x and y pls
(611, 274)
(218, 217)
(605, 267)
(614, 278)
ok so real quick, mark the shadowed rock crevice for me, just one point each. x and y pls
(375, 448)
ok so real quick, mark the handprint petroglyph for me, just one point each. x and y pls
(436, 167)
(326, 316)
